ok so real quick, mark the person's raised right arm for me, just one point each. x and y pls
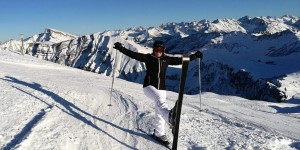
(129, 53)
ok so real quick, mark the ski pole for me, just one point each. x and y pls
(199, 60)
(113, 79)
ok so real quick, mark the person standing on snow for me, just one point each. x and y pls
(154, 82)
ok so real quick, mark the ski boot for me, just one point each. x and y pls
(161, 139)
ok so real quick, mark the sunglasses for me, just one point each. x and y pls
(159, 49)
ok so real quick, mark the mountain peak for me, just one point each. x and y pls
(51, 30)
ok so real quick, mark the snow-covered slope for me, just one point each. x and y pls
(49, 106)
(248, 57)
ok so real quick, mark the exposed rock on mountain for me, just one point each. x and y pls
(248, 57)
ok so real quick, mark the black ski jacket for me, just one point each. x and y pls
(156, 67)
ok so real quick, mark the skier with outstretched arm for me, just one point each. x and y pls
(154, 82)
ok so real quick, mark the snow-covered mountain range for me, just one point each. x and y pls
(255, 58)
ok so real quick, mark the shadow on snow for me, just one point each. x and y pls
(68, 108)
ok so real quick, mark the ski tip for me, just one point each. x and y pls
(185, 58)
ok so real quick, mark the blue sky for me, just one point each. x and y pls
(82, 17)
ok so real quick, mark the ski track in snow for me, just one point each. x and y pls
(49, 106)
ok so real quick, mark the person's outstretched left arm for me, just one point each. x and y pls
(137, 56)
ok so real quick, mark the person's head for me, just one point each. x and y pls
(159, 48)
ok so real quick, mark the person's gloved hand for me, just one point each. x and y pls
(199, 55)
(118, 46)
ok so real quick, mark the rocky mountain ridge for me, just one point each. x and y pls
(248, 57)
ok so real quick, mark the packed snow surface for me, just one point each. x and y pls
(49, 106)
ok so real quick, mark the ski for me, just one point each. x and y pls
(165, 144)
(175, 129)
